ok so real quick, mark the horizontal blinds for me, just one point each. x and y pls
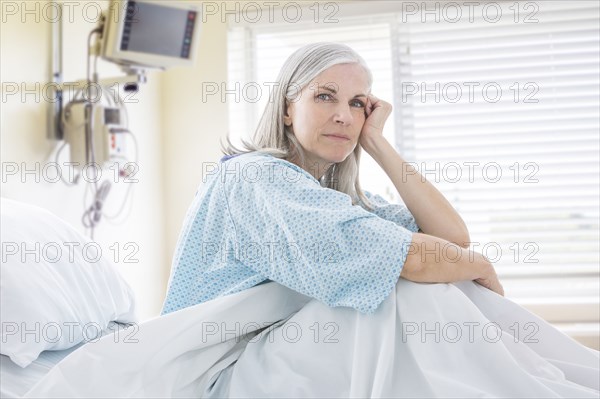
(504, 119)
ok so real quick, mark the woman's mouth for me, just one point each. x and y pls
(337, 137)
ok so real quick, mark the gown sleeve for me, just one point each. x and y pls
(396, 213)
(289, 229)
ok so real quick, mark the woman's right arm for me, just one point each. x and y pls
(434, 260)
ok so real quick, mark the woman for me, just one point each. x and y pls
(289, 208)
(294, 195)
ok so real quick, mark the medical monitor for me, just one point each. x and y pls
(149, 33)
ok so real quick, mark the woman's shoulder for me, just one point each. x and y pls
(270, 166)
(245, 157)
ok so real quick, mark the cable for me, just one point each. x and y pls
(92, 215)
(129, 189)
(94, 31)
(76, 178)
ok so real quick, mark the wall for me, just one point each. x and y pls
(191, 127)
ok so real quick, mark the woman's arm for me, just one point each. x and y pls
(432, 212)
(435, 260)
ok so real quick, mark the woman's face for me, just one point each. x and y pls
(328, 115)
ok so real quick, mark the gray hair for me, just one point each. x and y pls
(273, 137)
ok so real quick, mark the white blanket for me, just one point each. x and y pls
(425, 340)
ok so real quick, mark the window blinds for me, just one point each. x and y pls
(517, 153)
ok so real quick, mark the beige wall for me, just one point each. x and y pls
(191, 128)
(175, 131)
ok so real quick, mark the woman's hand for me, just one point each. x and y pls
(376, 112)
(490, 279)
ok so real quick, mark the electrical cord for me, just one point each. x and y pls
(76, 178)
(92, 215)
(129, 194)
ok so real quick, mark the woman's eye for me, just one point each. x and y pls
(324, 97)
(358, 103)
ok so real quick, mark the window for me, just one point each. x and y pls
(499, 108)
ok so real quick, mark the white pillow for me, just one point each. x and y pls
(55, 301)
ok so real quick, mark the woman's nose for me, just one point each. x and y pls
(343, 115)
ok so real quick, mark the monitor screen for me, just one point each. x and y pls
(140, 33)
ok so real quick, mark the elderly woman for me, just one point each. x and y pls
(289, 207)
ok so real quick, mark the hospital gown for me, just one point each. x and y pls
(257, 218)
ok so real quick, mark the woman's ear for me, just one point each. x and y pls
(287, 117)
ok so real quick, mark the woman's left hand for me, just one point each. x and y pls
(377, 111)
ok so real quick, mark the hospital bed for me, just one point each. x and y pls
(57, 294)
(268, 341)
(16, 381)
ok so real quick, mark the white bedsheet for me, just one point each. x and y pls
(15, 381)
(317, 351)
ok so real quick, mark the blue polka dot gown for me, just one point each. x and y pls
(257, 218)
